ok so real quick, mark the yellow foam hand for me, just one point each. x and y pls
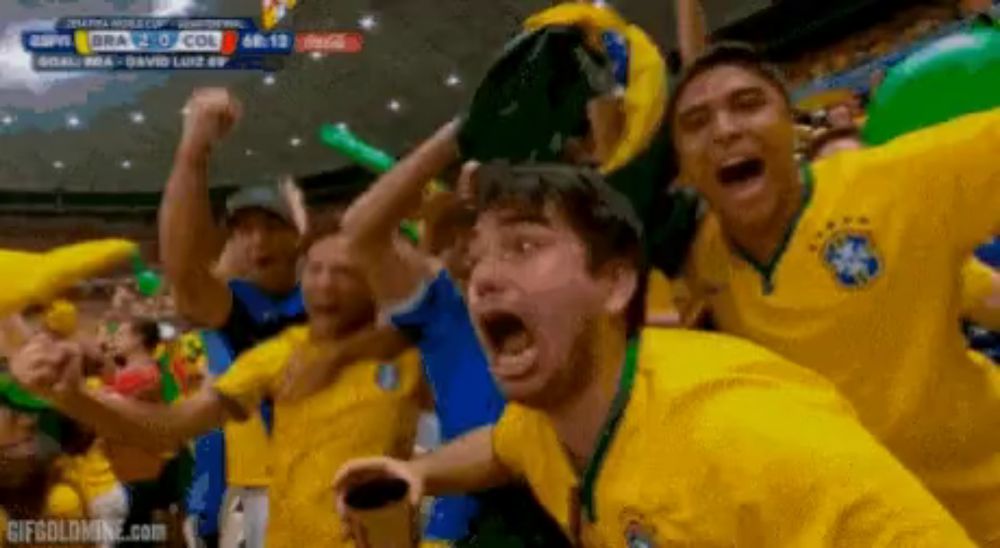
(36, 278)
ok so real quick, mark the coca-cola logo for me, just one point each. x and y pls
(329, 42)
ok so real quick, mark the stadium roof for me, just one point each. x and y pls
(116, 133)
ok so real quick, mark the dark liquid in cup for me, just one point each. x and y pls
(376, 494)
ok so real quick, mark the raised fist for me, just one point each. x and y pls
(211, 114)
(49, 368)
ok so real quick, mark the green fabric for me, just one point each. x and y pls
(766, 270)
(17, 398)
(625, 382)
(169, 388)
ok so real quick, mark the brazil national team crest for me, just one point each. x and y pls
(852, 257)
(637, 533)
(387, 376)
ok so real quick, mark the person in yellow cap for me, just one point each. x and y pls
(852, 266)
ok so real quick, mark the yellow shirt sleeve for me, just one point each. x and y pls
(830, 484)
(509, 435)
(980, 288)
(953, 165)
(255, 374)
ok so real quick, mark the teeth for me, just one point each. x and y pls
(515, 343)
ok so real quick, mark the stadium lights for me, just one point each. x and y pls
(73, 121)
(367, 22)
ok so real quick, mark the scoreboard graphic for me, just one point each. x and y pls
(149, 43)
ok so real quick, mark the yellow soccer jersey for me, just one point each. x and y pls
(248, 458)
(867, 291)
(370, 409)
(713, 441)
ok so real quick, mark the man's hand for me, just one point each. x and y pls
(296, 202)
(308, 372)
(52, 369)
(360, 471)
(466, 187)
(212, 113)
(312, 369)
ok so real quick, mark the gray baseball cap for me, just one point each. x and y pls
(263, 197)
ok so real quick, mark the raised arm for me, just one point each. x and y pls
(189, 239)
(394, 269)
(692, 36)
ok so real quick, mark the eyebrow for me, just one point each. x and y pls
(750, 88)
(513, 217)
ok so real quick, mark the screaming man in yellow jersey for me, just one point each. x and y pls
(867, 291)
(370, 409)
(714, 441)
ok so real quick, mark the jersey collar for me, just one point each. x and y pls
(766, 270)
(625, 382)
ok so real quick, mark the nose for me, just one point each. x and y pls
(487, 283)
(256, 236)
(725, 127)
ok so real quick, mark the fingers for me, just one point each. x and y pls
(466, 180)
(38, 365)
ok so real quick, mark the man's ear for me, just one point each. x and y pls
(622, 281)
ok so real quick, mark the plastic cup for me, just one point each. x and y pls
(380, 515)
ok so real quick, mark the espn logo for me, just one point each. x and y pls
(273, 11)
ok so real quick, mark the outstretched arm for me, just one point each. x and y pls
(189, 239)
(466, 465)
(54, 370)
(152, 426)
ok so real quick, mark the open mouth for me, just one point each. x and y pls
(512, 345)
(740, 172)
